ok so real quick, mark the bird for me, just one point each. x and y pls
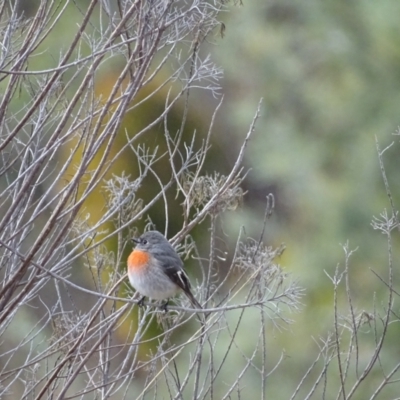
(156, 271)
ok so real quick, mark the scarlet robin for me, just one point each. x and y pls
(155, 270)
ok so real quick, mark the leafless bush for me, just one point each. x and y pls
(61, 339)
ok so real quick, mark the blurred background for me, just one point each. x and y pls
(328, 73)
(329, 76)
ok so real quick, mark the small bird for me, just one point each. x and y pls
(155, 270)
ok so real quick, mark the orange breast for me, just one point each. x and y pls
(138, 260)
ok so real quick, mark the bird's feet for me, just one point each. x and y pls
(164, 306)
(141, 301)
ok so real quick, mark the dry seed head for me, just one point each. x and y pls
(66, 329)
(202, 189)
(121, 195)
(258, 259)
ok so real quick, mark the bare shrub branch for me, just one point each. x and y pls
(58, 148)
(69, 322)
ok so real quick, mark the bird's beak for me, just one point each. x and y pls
(136, 241)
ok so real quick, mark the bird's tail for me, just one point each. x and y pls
(197, 305)
(192, 299)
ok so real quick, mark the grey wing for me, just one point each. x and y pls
(173, 267)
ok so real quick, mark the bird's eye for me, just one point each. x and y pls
(144, 241)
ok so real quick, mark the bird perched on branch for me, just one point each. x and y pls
(155, 270)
